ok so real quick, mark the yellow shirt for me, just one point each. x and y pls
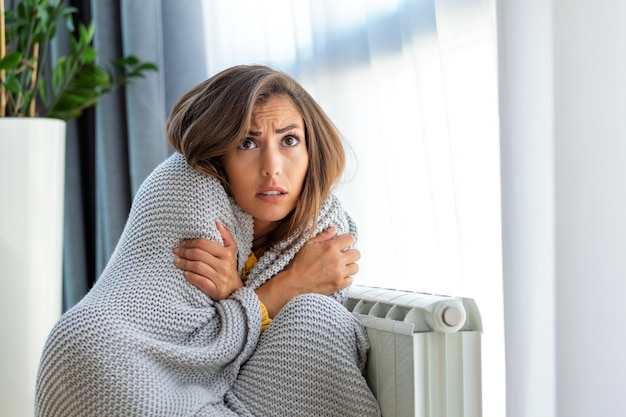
(252, 260)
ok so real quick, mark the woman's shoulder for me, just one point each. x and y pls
(332, 213)
(175, 177)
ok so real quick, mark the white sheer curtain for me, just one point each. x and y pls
(412, 86)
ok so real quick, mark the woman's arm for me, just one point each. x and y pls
(324, 265)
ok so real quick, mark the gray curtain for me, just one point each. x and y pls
(114, 147)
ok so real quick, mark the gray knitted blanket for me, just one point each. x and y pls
(144, 341)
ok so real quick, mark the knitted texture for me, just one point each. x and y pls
(308, 362)
(145, 342)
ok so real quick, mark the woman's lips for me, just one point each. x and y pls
(272, 196)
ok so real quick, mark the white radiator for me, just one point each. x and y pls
(425, 356)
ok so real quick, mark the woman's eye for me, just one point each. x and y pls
(291, 141)
(247, 144)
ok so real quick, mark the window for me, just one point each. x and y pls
(412, 86)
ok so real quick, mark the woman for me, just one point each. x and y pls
(251, 179)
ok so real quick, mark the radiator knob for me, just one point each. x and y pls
(452, 316)
(447, 316)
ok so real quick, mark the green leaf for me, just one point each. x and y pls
(22, 10)
(89, 55)
(148, 66)
(11, 61)
(75, 47)
(75, 98)
(85, 35)
(130, 60)
(41, 89)
(76, 81)
(91, 76)
(13, 85)
(59, 74)
(66, 14)
(91, 29)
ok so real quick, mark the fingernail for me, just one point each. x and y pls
(176, 251)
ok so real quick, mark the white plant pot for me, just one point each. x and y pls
(32, 173)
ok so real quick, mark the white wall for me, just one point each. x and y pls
(563, 112)
(590, 144)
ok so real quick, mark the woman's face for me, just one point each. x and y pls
(266, 171)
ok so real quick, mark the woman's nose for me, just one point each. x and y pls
(271, 165)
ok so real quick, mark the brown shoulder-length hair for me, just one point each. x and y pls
(214, 117)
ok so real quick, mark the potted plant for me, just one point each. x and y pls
(37, 98)
(76, 82)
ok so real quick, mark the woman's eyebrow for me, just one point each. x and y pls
(279, 130)
(288, 128)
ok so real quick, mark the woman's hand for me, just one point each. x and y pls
(324, 265)
(210, 266)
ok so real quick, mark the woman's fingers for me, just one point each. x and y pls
(210, 266)
(207, 252)
(186, 263)
(205, 285)
(352, 269)
(324, 236)
(326, 265)
(227, 237)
